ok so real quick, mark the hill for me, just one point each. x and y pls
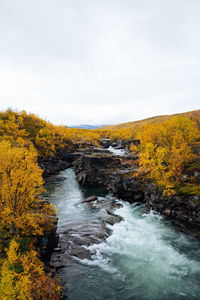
(193, 115)
(86, 126)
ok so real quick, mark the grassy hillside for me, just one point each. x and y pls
(193, 115)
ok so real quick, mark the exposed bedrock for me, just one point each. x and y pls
(74, 238)
(119, 144)
(52, 165)
(116, 174)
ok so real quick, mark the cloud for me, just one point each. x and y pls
(103, 61)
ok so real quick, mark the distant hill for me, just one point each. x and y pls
(193, 115)
(86, 126)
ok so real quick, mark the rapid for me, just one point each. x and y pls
(145, 256)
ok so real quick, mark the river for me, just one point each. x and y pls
(145, 257)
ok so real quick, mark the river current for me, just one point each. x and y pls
(145, 257)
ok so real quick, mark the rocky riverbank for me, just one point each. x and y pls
(97, 167)
(119, 176)
(52, 165)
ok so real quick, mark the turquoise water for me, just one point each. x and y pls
(145, 257)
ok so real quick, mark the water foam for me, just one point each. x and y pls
(141, 251)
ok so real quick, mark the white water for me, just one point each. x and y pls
(146, 254)
(115, 151)
(145, 257)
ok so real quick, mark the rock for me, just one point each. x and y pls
(114, 205)
(119, 147)
(60, 260)
(105, 143)
(195, 198)
(52, 165)
(80, 252)
(114, 145)
(139, 196)
(116, 174)
(191, 206)
(57, 249)
(166, 212)
(130, 157)
(74, 238)
(46, 243)
(111, 213)
(90, 169)
(113, 218)
(94, 150)
(90, 199)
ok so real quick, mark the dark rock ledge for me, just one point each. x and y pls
(52, 165)
(116, 174)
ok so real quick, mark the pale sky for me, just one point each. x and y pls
(99, 61)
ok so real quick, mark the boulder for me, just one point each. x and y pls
(113, 218)
(90, 199)
(166, 212)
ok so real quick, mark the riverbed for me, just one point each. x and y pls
(145, 256)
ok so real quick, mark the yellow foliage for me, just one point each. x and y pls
(165, 149)
(167, 146)
(11, 126)
(20, 186)
(83, 136)
(133, 148)
(27, 130)
(50, 139)
(23, 277)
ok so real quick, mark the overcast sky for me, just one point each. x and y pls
(99, 61)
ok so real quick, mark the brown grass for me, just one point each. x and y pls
(193, 115)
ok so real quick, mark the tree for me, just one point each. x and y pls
(22, 212)
(23, 277)
(50, 139)
(165, 150)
